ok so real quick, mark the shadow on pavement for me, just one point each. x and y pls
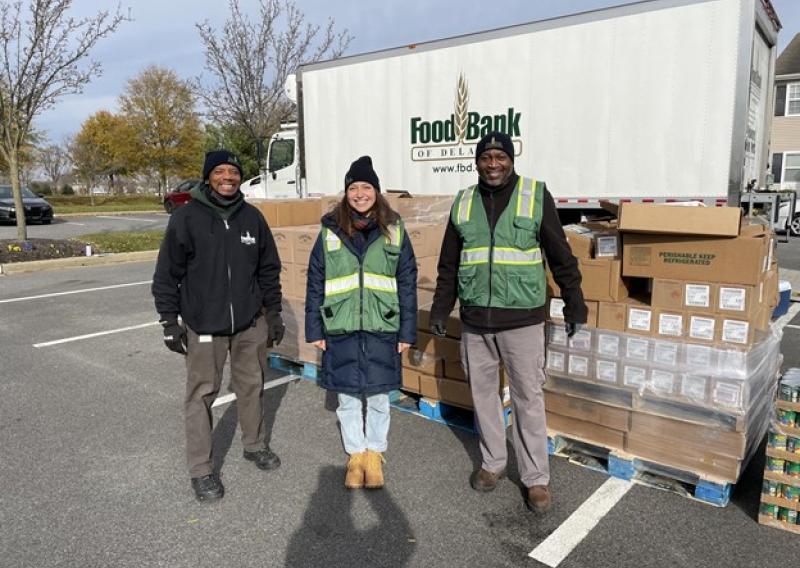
(329, 535)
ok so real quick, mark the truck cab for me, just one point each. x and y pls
(280, 180)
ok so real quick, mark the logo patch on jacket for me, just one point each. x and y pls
(247, 239)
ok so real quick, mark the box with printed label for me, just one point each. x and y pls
(556, 361)
(555, 311)
(735, 331)
(634, 376)
(667, 353)
(694, 388)
(639, 320)
(579, 365)
(638, 349)
(288, 280)
(738, 300)
(442, 347)
(663, 382)
(609, 345)
(446, 390)
(426, 238)
(607, 371)
(671, 294)
(299, 280)
(303, 239)
(410, 380)
(738, 260)
(679, 220)
(611, 316)
(580, 241)
(283, 242)
(670, 324)
(702, 328)
(607, 245)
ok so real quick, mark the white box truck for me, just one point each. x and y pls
(662, 100)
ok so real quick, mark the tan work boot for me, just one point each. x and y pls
(354, 478)
(373, 470)
(538, 498)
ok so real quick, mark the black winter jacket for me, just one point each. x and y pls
(557, 254)
(217, 274)
(361, 362)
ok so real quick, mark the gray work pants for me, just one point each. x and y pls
(204, 364)
(521, 351)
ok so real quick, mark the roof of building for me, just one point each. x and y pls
(789, 60)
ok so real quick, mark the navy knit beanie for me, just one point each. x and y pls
(219, 157)
(495, 141)
(361, 170)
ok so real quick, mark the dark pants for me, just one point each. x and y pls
(204, 364)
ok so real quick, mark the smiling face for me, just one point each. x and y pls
(361, 196)
(225, 180)
(494, 167)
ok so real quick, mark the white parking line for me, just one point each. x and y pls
(125, 218)
(74, 223)
(225, 399)
(82, 291)
(91, 335)
(784, 320)
(565, 538)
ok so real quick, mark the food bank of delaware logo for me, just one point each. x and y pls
(454, 138)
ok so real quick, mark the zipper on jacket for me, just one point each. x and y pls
(492, 225)
(230, 284)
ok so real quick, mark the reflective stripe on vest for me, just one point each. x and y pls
(507, 255)
(380, 283)
(332, 241)
(342, 284)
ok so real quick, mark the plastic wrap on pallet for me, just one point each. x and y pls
(702, 375)
(424, 208)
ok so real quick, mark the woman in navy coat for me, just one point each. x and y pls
(362, 343)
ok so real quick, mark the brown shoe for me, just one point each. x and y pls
(373, 470)
(538, 498)
(354, 478)
(483, 480)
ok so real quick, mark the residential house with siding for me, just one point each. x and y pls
(785, 139)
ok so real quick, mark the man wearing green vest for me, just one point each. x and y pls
(492, 261)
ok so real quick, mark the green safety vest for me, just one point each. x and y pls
(504, 269)
(362, 296)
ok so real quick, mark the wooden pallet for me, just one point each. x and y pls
(437, 411)
(303, 369)
(616, 463)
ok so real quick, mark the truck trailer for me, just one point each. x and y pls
(657, 101)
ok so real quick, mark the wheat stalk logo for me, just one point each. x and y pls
(462, 98)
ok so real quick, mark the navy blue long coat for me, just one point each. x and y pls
(361, 362)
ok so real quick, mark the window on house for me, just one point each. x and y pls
(793, 99)
(791, 172)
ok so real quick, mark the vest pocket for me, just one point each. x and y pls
(467, 283)
(339, 314)
(525, 233)
(382, 313)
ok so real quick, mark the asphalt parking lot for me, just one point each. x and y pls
(65, 227)
(93, 470)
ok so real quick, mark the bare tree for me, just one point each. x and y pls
(41, 62)
(251, 60)
(54, 160)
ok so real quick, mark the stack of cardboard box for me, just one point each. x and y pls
(678, 362)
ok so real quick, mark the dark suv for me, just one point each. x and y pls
(180, 195)
(36, 208)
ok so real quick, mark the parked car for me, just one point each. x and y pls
(792, 225)
(36, 208)
(180, 195)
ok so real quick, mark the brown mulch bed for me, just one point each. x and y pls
(39, 249)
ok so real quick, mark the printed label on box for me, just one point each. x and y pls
(727, 394)
(701, 328)
(608, 344)
(634, 377)
(637, 349)
(606, 246)
(735, 331)
(639, 319)
(607, 371)
(698, 296)
(558, 336)
(665, 353)
(555, 360)
(578, 365)
(732, 362)
(698, 356)
(557, 308)
(662, 381)
(581, 341)
(732, 299)
(694, 387)
(670, 324)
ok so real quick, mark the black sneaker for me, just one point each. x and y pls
(208, 487)
(265, 459)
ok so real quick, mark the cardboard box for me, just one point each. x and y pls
(426, 238)
(442, 347)
(427, 272)
(555, 311)
(737, 260)
(601, 280)
(734, 331)
(573, 407)
(607, 244)
(299, 280)
(303, 240)
(423, 362)
(702, 327)
(411, 380)
(679, 220)
(288, 212)
(697, 460)
(670, 324)
(639, 319)
(424, 298)
(283, 242)
(586, 431)
(580, 240)
(739, 301)
(328, 202)
(453, 322)
(287, 279)
(425, 208)
(446, 390)
(611, 316)
(679, 295)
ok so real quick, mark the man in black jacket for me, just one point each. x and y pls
(218, 269)
(491, 261)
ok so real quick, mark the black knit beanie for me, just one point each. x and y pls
(218, 157)
(361, 170)
(495, 141)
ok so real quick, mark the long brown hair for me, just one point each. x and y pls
(381, 212)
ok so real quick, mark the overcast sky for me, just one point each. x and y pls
(163, 32)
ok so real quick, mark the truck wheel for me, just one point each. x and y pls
(794, 226)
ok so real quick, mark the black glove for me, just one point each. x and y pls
(174, 336)
(275, 328)
(572, 328)
(438, 328)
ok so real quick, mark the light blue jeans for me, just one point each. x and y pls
(351, 422)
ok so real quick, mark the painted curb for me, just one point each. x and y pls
(76, 261)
